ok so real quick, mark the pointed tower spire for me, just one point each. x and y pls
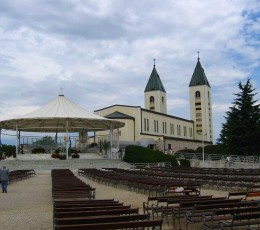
(155, 94)
(199, 76)
(154, 82)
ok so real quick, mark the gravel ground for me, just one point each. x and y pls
(28, 203)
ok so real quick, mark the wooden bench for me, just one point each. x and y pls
(126, 211)
(252, 194)
(164, 204)
(241, 220)
(237, 194)
(100, 219)
(212, 222)
(179, 212)
(155, 224)
(200, 213)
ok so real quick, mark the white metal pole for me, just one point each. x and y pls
(16, 152)
(203, 151)
(66, 143)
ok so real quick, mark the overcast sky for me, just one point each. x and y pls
(101, 51)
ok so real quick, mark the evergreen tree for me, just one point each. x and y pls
(241, 132)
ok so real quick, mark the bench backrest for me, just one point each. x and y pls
(96, 213)
(113, 225)
(100, 219)
(226, 205)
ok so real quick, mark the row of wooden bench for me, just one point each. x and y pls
(134, 180)
(17, 175)
(86, 212)
(205, 212)
(214, 178)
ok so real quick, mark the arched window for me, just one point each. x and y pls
(151, 99)
(197, 94)
(208, 96)
(162, 100)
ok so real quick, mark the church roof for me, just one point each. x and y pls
(118, 115)
(154, 82)
(199, 76)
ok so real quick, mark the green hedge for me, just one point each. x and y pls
(8, 150)
(139, 154)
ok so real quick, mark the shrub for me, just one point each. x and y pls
(8, 150)
(184, 162)
(38, 150)
(139, 154)
(62, 157)
(57, 151)
(186, 151)
(75, 155)
(55, 155)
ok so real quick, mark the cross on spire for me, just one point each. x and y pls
(154, 62)
(198, 55)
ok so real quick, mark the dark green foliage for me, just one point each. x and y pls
(139, 154)
(62, 157)
(241, 132)
(105, 145)
(8, 150)
(46, 141)
(75, 155)
(184, 163)
(57, 150)
(38, 150)
(55, 155)
(186, 151)
(213, 149)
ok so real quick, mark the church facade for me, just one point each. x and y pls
(151, 126)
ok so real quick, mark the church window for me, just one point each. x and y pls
(151, 99)
(147, 120)
(164, 127)
(144, 124)
(185, 131)
(198, 103)
(197, 94)
(179, 130)
(198, 108)
(190, 129)
(172, 129)
(162, 100)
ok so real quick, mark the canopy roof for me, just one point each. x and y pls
(60, 115)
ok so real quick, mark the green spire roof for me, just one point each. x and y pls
(154, 82)
(199, 77)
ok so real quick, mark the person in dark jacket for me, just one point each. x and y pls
(4, 179)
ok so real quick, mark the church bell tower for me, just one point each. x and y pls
(155, 94)
(201, 104)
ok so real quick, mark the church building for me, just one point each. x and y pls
(153, 127)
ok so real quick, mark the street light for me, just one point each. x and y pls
(203, 154)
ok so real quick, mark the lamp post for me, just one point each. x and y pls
(203, 153)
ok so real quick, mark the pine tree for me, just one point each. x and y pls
(241, 132)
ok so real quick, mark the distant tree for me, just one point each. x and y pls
(46, 141)
(241, 132)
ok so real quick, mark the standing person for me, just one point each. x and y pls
(4, 179)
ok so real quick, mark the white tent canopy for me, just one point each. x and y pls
(60, 115)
